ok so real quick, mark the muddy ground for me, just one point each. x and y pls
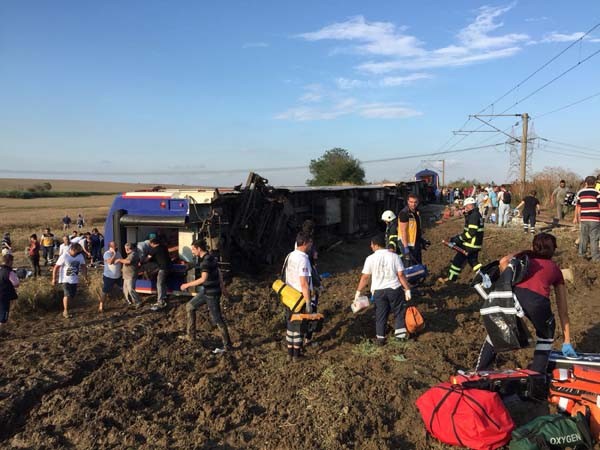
(124, 380)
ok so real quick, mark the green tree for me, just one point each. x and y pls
(336, 166)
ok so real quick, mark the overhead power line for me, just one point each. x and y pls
(204, 171)
(564, 144)
(562, 108)
(521, 83)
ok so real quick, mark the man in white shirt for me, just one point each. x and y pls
(298, 275)
(385, 271)
(68, 267)
(111, 274)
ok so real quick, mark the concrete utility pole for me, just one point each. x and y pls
(443, 173)
(525, 120)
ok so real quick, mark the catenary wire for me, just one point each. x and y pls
(233, 171)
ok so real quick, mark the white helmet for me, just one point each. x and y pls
(469, 201)
(388, 216)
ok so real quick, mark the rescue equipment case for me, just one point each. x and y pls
(525, 383)
(289, 296)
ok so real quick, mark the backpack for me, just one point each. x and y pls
(553, 431)
(470, 418)
(506, 198)
(414, 320)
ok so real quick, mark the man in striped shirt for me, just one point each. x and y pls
(587, 212)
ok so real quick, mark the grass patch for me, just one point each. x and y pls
(366, 348)
(50, 194)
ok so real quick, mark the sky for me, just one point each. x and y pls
(199, 92)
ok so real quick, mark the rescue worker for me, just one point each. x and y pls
(411, 234)
(533, 295)
(209, 288)
(391, 230)
(297, 274)
(471, 240)
(384, 269)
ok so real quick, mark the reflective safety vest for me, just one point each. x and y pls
(472, 235)
(391, 236)
(414, 220)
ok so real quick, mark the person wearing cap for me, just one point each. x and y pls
(391, 231)
(470, 240)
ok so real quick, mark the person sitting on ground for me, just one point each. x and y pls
(533, 294)
(33, 253)
(8, 284)
(68, 268)
(384, 270)
(111, 273)
(209, 288)
(130, 274)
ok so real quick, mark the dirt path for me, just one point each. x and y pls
(124, 380)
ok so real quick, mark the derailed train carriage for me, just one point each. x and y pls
(250, 226)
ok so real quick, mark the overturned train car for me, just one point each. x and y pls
(249, 226)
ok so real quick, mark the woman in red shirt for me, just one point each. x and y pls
(34, 254)
(533, 294)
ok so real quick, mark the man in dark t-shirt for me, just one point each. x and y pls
(409, 221)
(531, 208)
(160, 255)
(209, 287)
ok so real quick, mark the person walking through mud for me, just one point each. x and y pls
(159, 254)
(533, 294)
(411, 233)
(531, 208)
(33, 253)
(47, 246)
(297, 274)
(384, 270)
(130, 274)
(111, 273)
(69, 267)
(470, 240)
(587, 213)
(557, 199)
(8, 284)
(209, 288)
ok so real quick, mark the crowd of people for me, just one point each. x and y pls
(383, 272)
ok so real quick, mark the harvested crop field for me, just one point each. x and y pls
(124, 380)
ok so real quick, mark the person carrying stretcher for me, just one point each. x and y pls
(533, 295)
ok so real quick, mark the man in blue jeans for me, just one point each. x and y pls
(587, 213)
(209, 288)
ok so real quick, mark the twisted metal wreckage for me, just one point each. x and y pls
(253, 225)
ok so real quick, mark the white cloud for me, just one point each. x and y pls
(537, 19)
(313, 93)
(561, 37)
(404, 80)
(395, 49)
(346, 107)
(255, 45)
(345, 83)
(476, 35)
(387, 111)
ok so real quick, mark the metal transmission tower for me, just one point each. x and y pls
(524, 160)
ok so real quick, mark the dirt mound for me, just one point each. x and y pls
(124, 380)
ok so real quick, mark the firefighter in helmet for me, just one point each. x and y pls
(470, 240)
